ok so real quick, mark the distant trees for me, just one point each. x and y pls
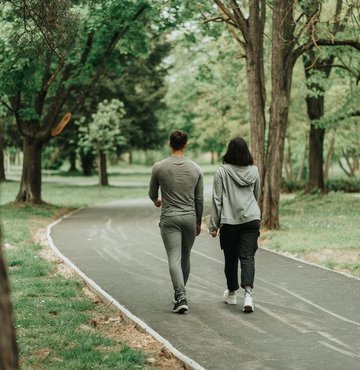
(69, 56)
(69, 50)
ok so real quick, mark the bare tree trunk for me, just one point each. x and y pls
(256, 98)
(356, 163)
(212, 157)
(303, 159)
(103, 177)
(2, 158)
(8, 346)
(350, 172)
(316, 160)
(288, 164)
(329, 155)
(30, 185)
(72, 160)
(281, 74)
(256, 83)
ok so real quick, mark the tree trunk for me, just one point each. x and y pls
(329, 155)
(8, 346)
(72, 160)
(316, 160)
(30, 185)
(256, 87)
(87, 163)
(288, 164)
(303, 159)
(2, 158)
(315, 110)
(103, 177)
(281, 74)
(356, 163)
(212, 157)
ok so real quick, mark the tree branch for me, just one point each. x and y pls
(324, 42)
(52, 119)
(219, 18)
(225, 11)
(7, 106)
(241, 20)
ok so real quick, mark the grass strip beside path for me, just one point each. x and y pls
(320, 229)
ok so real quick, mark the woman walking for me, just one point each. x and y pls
(235, 215)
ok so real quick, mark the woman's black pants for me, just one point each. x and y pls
(240, 242)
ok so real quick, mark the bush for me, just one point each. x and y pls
(346, 185)
(349, 185)
(292, 186)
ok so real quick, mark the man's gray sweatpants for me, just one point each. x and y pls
(178, 234)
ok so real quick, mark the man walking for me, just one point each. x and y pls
(181, 184)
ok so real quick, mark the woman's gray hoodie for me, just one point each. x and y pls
(235, 193)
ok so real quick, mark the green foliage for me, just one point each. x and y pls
(349, 185)
(51, 158)
(104, 131)
(207, 94)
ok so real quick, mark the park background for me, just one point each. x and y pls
(90, 91)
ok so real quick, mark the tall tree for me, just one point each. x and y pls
(318, 64)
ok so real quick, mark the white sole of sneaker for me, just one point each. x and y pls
(229, 299)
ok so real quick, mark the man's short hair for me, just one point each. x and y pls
(178, 139)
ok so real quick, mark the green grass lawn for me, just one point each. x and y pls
(314, 224)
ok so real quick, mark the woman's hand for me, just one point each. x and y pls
(158, 202)
(213, 233)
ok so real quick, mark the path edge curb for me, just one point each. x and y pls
(141, 325)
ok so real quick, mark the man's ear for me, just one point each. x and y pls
(186, 145)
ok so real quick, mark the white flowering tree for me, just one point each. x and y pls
(103, 135)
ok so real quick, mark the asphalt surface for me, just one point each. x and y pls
(305, 317)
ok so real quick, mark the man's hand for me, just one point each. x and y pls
(198, 229)
(213, 233)
(158, 202)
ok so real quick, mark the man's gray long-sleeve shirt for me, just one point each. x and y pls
(181, 184)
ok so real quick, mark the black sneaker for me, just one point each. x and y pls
(181, 306)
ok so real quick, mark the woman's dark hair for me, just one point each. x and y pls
(238, 153)
(178, 139)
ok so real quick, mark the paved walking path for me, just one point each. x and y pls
(305, 317)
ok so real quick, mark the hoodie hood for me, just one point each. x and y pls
(241, 175)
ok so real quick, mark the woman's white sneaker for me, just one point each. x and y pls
(230, 298)
(248, 302)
